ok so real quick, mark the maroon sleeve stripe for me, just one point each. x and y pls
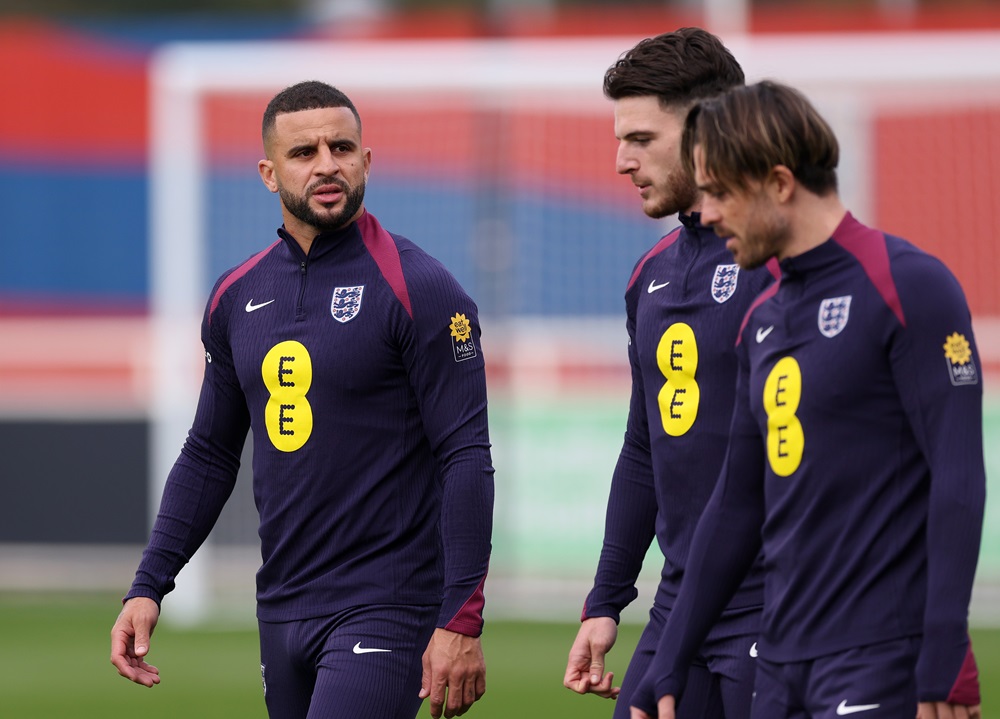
(235, 275)
(469, 619)
(868, 246)
(386, 255)
(659, 247)
(965, 691)
(760, 299)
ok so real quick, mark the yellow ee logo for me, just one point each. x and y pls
(287, 372)
(785, 439)
(677, 358)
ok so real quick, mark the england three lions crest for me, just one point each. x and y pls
(346, 303)
(833, 315)
(724, 282)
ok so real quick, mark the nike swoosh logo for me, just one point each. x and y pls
(653, 287)
(753, 650)
(358, 649)
(843, 709)
(763, 333)
(251, 306)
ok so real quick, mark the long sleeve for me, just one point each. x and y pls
(630, 522)
(935, 363)
(203, 477)
(443, 355)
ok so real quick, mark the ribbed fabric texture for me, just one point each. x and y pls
(372, 470)
(873, 522)
(684, 302)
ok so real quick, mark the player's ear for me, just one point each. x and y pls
(781, 183)
(367, 155)
(266, 170)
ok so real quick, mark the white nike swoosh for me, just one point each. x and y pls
(251, 306)
(653, 287)
(753, 650)
(763, 333)
(843, 708)
(358, 649)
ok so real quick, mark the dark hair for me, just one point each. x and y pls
(677, 67)
(308, 95)
(747, 131)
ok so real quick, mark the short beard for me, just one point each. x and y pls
(681, 196)
(299, 207)
(770, 235)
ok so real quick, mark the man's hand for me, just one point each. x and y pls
(585, 668)
(665, 709)
(453, 665)
(944, 710)
(130, 641)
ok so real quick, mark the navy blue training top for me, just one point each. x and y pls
(684, 302)
(859, 402)
(360, 370)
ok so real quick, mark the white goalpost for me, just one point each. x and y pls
(203, 184)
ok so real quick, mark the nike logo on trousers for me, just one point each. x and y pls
(843, 709)
(358, 649)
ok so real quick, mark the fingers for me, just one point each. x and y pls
(432, 686)
(462, 697)
(461, 690)
(477, 690)
(130, 637)
(437, 693)
(604, 687)
(452, 699)
(578, 663)
(586, 664)
(425, 676)
(934, 710)
(582, 685)
(637, 713)
(453, 674)
(949, 711)
(128, 664)
(469, 697)
(577, 678)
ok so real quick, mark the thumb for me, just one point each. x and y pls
(597, 667)
(141, 641)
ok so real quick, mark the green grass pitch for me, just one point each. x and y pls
(54, 665)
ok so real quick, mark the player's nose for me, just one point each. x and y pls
(625, 162)
(325, 164)
(710, 214)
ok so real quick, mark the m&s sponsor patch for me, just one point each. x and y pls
(461, 338)
(958, 357)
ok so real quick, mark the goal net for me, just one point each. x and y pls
(497, 157)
